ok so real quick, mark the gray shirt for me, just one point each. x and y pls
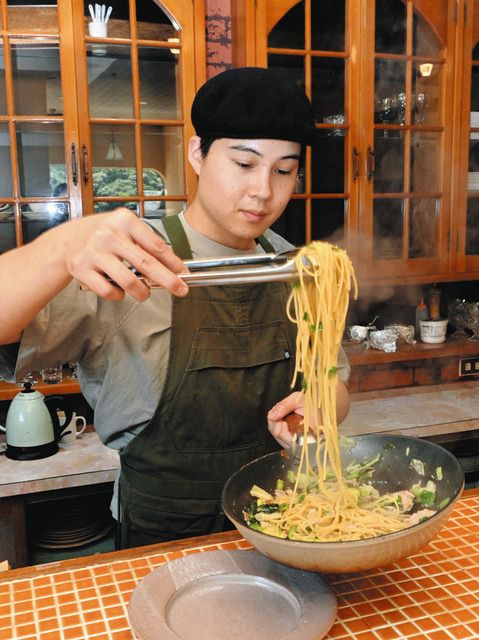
(121, 347)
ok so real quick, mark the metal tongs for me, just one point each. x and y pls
(246, 269)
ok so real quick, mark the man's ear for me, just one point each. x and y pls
(194, 154)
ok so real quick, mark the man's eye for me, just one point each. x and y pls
(243, 165)
(283, 172)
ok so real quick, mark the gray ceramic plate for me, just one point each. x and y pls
(231, 594)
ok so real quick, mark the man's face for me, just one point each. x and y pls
(243, 187)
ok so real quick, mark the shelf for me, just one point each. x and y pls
(358, 355)
(66, 386)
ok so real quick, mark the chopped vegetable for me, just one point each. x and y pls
(279, 484)
(439, 473)
(418, 466)
(258, 492)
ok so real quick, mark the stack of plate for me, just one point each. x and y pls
(70, 523)
(473, 181)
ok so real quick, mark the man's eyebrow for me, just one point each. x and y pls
(244, 147)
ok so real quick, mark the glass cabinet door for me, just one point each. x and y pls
(376, 73)
(406, 199)
(32, 125)
(472, 207)
(307, 41)
(135, 124)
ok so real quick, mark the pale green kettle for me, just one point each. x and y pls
(33, 428)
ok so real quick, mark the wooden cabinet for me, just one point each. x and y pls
(390, 83)
(88, 123)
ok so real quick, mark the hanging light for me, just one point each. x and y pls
(425, 69)
(114, 151)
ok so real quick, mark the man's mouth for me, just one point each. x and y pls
(253, 215)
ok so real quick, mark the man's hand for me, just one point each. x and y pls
(294, 403)
(96, 246)
(278, 427)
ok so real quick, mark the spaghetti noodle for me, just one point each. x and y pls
(326, 502)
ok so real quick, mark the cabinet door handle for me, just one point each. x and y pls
(355, 164)
(371, 163)
(74, 164)
(86, 171)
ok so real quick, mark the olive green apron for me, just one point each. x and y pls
(230, 361)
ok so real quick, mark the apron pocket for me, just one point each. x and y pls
(233, 378)
(171, 518)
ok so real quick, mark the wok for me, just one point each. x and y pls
(393, 472)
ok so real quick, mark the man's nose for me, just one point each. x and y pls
(261, 185)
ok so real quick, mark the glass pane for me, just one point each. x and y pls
(327, 165)
(292, 224)
(389, 161)
(113, 160)
(475, 52)
(424, 41)
(39, 217)
(33, 16)
(472, 228)
(109, 81)
(163, 160)
(390, 34)
(387, 229)
(288, 33)
(327, 87)
(425, 93)
(118, 24)
(3, 102)
(153, 23)
(7, 234)
(5, 162)
(425, 147)
(39, 146)
(327, 220)
(389, 91)
(173, 208)
(473, 169)
(327, 25)
(292, 67)
(159, 83)
(36, 78)
(423, 220)
(475, 90)
(101, 207)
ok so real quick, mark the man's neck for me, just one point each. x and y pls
(199, 222)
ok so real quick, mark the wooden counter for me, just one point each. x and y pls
(433, 595)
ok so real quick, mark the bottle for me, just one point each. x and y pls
(435, 303)
(421, 314)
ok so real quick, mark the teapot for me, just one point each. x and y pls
(33, 428)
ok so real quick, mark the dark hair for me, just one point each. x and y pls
(205, 144)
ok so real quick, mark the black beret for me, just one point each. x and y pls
(253, 103)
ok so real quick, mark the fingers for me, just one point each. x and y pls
(293, 402)
(99, 246)
(280, 431)
(150, 255)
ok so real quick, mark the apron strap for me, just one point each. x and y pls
(181, 246)
(177, 236)
(265, 244)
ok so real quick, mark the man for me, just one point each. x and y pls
(180, 385)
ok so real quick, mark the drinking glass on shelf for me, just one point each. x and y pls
(52, 375)
(456, 311)
(28, 377)
(73, 370)
(472, 319)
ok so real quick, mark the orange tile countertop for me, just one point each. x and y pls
(433, 595)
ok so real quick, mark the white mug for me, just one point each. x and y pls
(69, 438)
